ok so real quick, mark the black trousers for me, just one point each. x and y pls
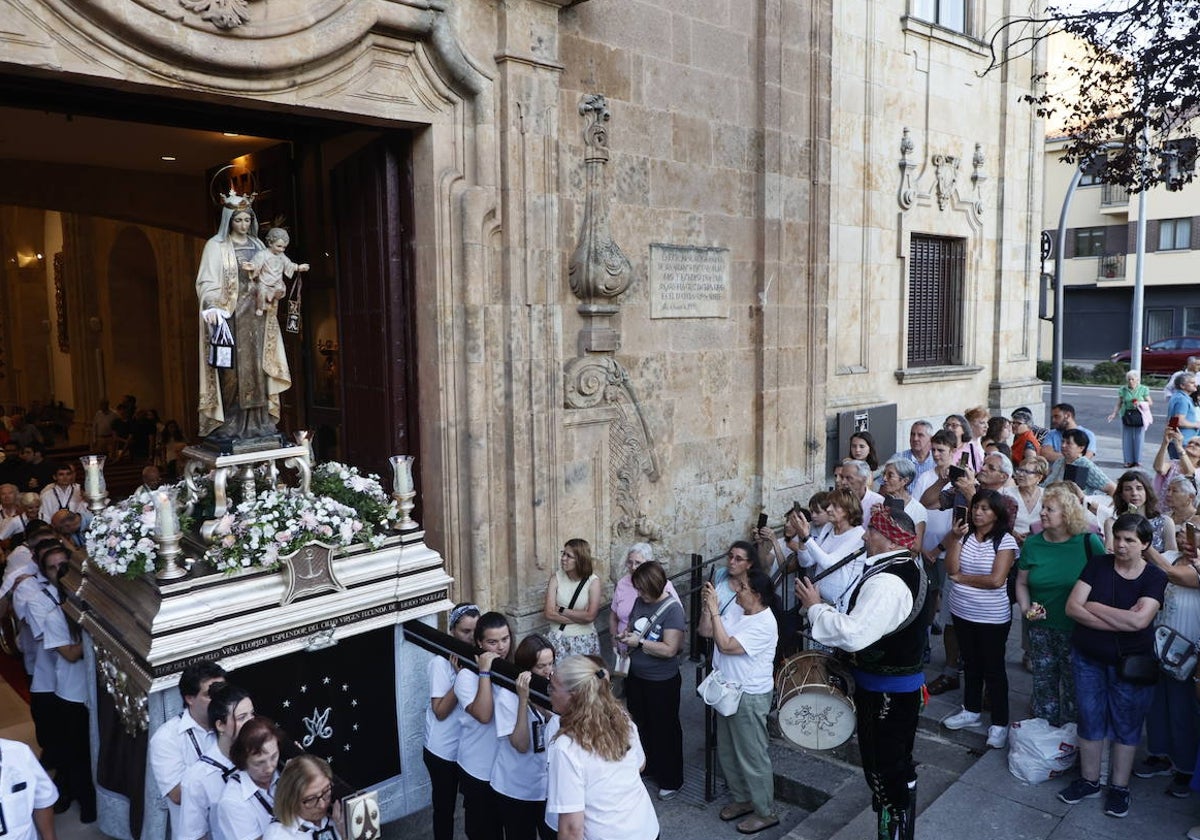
(523, 820)
(74, 774)
(654, 707)
(443, 778)
(887, 727)
(43, 708)
(982, 647)
(480, 820)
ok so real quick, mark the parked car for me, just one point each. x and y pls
(1166, 355)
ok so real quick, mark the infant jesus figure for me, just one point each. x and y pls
(268, 268)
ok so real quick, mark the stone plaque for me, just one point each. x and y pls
(689, 282)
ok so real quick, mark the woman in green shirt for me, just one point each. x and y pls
(1130, 396)
(1047, 570)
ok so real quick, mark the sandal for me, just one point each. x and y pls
(943, 684)
(736, 809)
(755, 824)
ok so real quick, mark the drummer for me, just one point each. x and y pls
(884, 627)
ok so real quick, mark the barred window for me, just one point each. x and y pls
(936, 273)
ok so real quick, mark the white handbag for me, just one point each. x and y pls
(722, 695)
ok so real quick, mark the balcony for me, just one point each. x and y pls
(1111, 267)
(1114, 198)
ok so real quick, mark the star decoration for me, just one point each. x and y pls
(353, 702)
(355, 727)
(303, 689)
(325, 681)
(346, 747)
(345, 686)
(287, 704)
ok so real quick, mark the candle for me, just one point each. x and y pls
(166, 520)
(93, 475)
(402, 482)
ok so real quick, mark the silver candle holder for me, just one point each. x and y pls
(167, 534)
(95, 489)
(403, 490)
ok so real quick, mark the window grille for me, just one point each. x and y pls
(936, 275)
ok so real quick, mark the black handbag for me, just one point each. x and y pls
(1134, 668)
(1132, 418)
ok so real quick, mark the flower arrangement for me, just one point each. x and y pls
(345, 507)
(120, 539)
(278, 523)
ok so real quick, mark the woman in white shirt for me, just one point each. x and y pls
(842, 540)
(247, 806)
(744, 652)
(594, 785)
(519, 772)
(477, 738)
(443, 725)
(978, 562)
(303, 800)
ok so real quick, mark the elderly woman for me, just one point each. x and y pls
(1172, 738)
(1166, 468)
(978, 562)
(624, 593)
(1132, 396)
(303, 800)
(1181, 503)
(1027, 494)
(1049, 566)
(1075, 466)
(1113, 605)
(245, 808)
(743, 651)
(1182, 410)
(897, 478)
(594, 786)
(573, 602)
(655, 641)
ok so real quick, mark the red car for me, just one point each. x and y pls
(1166, 355)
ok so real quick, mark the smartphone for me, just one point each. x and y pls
(762, 520)
(960, 513)
(1173, 423)
(894, 505)
(956, 473)
(963, 459)
(797, 507)
(1191, 534)
(1077, 473)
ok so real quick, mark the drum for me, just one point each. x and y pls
(815, 706)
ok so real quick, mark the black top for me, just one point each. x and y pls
(1108, 587)
(902, 651)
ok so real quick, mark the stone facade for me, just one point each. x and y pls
(556, 146)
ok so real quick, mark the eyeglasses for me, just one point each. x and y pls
(738, 557)
(323, 796)
(1025, 472)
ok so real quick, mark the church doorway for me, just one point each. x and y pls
(123, 207)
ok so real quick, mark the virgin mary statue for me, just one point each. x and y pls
(239, 402)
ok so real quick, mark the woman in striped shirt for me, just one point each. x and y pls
(979, 562)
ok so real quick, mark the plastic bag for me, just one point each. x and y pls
(1038, 751)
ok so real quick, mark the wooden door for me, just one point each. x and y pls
(372, 212)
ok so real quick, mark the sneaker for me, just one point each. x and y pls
(1116, 803)
(997, 737)
(1181, 786)
(962, 720)
(1153, 765)
(1079, 790)
(668, 795)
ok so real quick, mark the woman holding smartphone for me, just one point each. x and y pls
(978, 562)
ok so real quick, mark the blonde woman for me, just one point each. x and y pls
(595, 760)
(573, 601)
(303, 800)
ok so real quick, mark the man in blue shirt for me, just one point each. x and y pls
(919, 453)
(1062, 418)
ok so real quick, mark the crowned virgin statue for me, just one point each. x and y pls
(243, 369)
